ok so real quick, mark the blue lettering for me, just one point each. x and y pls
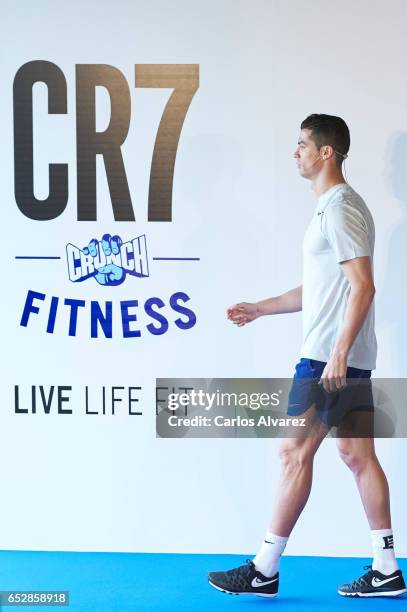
(29, 306)
(97, 316)
(148, 307)
(127, 318)
(74, 304)
(182, 310)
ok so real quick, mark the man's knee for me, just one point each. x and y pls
(297, 452)
(355, 452)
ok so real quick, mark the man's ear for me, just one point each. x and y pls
(327, 152)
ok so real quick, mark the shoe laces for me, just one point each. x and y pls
(249, 567)
(363, 579)
(243, 570)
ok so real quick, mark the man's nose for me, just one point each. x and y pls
(296, 154)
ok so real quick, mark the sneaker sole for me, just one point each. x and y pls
(241, 592)
(380, 594)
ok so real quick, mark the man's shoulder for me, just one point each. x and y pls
(349, 199)
(348, 212)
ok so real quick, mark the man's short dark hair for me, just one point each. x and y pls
(329, 130)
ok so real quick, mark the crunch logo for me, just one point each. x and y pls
(108, 260)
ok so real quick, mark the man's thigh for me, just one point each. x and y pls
(357, 424)
(306, 439)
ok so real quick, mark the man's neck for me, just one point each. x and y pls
(322, 183)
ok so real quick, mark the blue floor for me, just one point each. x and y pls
(121, 582)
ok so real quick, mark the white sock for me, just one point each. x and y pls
(384, 559)
(267, 560)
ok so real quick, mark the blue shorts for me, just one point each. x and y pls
(332, 407)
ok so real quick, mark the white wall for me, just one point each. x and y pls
(106, 483)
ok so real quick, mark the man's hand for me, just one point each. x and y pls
(334, 374)
(243, 313)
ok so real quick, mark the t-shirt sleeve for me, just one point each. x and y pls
(345, 229)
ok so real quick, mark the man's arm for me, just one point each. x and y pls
(291, 301)
(358, 271)
(245, 312)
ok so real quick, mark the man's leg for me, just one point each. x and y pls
(260, 576)
(297, 460)
(359, 455)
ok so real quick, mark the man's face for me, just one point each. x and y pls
(306, 155)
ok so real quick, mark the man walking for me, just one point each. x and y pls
(339, 343)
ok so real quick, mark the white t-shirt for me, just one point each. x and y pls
(341, 228)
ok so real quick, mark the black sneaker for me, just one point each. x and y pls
(244, 580)
(375, 584)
